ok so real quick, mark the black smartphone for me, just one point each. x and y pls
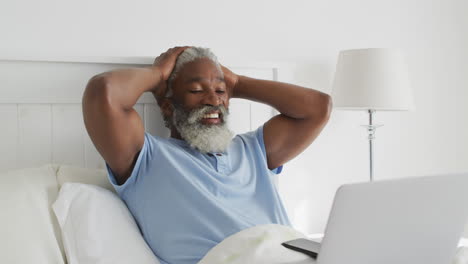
(303, 245)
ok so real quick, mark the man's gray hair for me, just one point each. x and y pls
(187, 56)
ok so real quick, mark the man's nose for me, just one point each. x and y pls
(212, 99)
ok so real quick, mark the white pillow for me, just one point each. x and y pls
(29, 232)
(98, 228)
(96, 177)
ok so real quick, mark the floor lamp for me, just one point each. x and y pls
(374, 79)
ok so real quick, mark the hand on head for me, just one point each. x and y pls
(165, 62)
(230, 79)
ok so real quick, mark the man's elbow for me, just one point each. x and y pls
(324, 108)
(96, 89)
(328, 106)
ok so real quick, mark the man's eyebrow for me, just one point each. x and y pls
(198, 79)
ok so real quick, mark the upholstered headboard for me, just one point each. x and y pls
(40, 109)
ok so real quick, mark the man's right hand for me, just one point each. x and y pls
(164, 64)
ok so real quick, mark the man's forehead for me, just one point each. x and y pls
(198, 78)
(201, 69)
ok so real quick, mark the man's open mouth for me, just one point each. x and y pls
(213, 115)
(211, 118)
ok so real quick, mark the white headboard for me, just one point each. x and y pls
(41, 118)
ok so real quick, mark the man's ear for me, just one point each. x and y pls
(166, 106)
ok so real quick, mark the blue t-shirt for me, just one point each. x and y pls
(186, 202)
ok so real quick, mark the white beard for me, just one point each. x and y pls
(205, 138)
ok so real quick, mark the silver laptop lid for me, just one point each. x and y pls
(410, 220)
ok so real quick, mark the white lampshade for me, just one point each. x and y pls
(374, 78)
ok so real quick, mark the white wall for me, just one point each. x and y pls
(307, 36)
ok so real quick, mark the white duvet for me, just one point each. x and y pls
(259, 245)
(461, 256)
(262, 245)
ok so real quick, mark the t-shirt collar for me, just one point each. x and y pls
(184, 144)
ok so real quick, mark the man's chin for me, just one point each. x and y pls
(208, 138)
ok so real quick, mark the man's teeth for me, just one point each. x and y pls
(215, 115)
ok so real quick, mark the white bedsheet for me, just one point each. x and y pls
(461, 256)
(259, 245)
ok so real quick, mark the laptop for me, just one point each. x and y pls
(416, 220)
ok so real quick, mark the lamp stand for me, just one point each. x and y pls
(371, 131)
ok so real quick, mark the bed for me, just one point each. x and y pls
(44, 145)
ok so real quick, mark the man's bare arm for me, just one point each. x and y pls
(304, 113)
(114, 126)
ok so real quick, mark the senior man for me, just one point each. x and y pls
(203, 184)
